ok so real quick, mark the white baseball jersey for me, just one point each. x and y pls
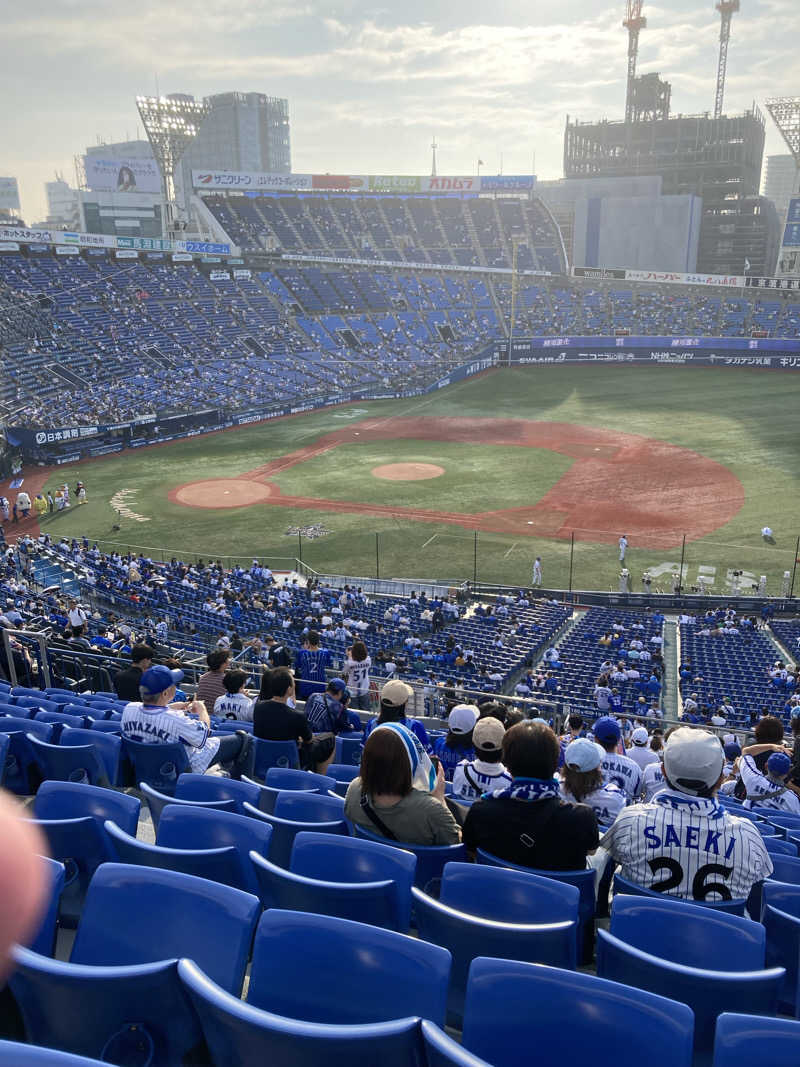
(357, 674)
(488, 777)
(606, 802)
(653, 780)
(762, 793)
(234, 706)
(688, 847)
(622, 771)
(153, 724)
(642, 755)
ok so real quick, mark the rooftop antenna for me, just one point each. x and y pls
(633, 22)
(434, 146)
(727, 9)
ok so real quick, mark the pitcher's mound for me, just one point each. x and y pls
(407, 472)
(222, 493)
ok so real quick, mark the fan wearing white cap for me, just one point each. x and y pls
(582, 781)
(640, 751)
(457, 744)
(395, 696)
(684, 843)
(486, 772)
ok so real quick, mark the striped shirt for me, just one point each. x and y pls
(763, 793)
(156, 724)
(622, 771)
(688, 847)
(653, 780)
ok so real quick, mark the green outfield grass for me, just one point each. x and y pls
(743, 419)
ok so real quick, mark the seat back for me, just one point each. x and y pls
(156, 802)
(507, 896)
(777, 847)
(43, 940)
(194, 827)
(431, 859)
(210, 787)
(107, 746)
(40, 703)
(348, 750)
(285, 830)
(622, 887)
(708, 993)
(380, 974)
(442, 1051)
(743, 1040)
(309, 807)
(181, 916)
(782, 931)
(274, 754)
(157, 765)
(5, 741)
(288, 778)
(57, 718)
(592, 1011)
(68, 763)
(70, 800)
(239, 1035)
(35, 1056)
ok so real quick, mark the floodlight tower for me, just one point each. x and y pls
(785, 111)
(171, 123)
(727, 9)
(633, 22)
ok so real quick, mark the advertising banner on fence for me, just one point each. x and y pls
(9, 194)
(122, 175)
(373, 183)
(248, 179)
(729, 281)
(775, 353)
(220, 275)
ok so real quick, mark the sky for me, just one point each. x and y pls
(370, 84)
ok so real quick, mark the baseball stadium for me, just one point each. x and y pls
(399, 594)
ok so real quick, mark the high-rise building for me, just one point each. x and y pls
(716, 159)
(781, 182)
(63, 207)
(242, 131)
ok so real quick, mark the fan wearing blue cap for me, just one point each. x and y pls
(769, 788)
(617, 769)
(157, 720)
(327, 712)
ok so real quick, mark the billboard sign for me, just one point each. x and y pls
(9, 194)
(122, 175)
(368, 183)
(508, 183)
(249, 180)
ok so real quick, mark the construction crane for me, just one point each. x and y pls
(633, 22)
(727, 9)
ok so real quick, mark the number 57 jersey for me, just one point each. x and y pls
(686, 846)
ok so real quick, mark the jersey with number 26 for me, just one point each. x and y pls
(688, 847)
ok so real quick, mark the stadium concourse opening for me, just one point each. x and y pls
(669, 490)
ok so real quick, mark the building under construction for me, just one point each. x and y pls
(717, 158)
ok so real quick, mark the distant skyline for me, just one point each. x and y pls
(370, 85)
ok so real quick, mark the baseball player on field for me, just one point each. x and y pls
(684, 843)
(537, 571)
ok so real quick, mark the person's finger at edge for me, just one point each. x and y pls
(23, 880)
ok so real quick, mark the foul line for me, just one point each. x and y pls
(507, 554)
(430, 539)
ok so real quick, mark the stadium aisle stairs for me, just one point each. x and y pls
(784, 651)
(670, 697)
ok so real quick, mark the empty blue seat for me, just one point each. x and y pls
(274, 754)
(745, 1040)
(26, 691)
(348, 750)
(70, 800)
(57, 718)
(707, 992)
(285, 830)
(44, 939)
(156, 802)
(40, 703)
(210, 787)
(69, 763)
(777, 847)
(308, 807)
(5, 741)
(157, 765)
(431, 859)
(192, 826)
(623, 886)
(123, 967)
(107, 746)
(506, 895)
(12, 1052)
(378, 975)
(21, 771)
(516, 1013)
(106, 726)
(288, 778)
(342, 772)
(782, 928)
(239, 1035)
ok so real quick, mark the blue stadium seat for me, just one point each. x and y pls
(431, 859)
(287, 778)
(744, 1040)
(59, 720)
(5, 741)
(505, 895)
(107, 746)
(32, 703)
(211, 787)
(782, 929)
(12, 1052)
(157, 765)
(308, 807)
(623, 886)
(21, 772)
(123, 968)
(443, 1051)
(379, 974)
(707, 992)
(776, 847)
(106, 726)
(156, 802)
(274, 754)
(285, 830)
(44, 940)
(191, 826)
(69, 763)
(466, 935)
(513, 1008)
(348, 750)
(239, 1035)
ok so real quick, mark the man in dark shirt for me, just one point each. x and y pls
(527, 823)
(277, 719)
(126, 683)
